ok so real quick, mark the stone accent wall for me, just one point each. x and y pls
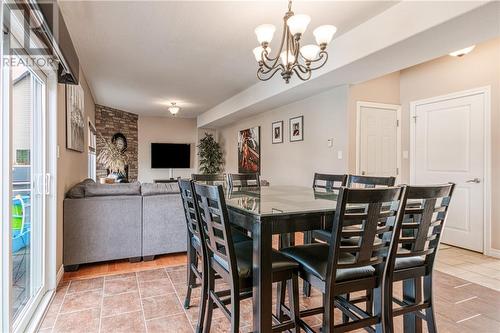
(108, 122)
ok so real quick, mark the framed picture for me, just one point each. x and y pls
(277, 132)
(75, 123)
(249, 150)
(297, 129)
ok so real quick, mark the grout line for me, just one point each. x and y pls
(180, 302)
(466, 300)
(60, 306)
(121, 313)
(468, 318)
(142, 307)
(102, 303)
(463, 285)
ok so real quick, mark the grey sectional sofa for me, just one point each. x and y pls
(109, 222)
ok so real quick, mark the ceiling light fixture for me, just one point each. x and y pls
(174, 109)
(462, 52)
(294, 58)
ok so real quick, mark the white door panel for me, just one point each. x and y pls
(378, 140)
(449, 147)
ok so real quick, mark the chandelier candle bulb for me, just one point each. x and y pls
(310, 52)
(257, 52)
(291, 58)
(265, 33)
(324, 34)
(298, 24)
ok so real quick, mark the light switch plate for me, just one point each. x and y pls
(330, 143)
(339, 154)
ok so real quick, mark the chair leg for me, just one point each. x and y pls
(377, 308)
(191, 277)
(210, 302)
(388, 315)
(328, 315)
(412, 294)
(369, 301)
(306, 286)
(203, 299)
(235, 309)
(429, 312)
(293, 300)
(345, 318)
(280, 300)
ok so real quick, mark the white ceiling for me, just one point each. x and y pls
(138, 56)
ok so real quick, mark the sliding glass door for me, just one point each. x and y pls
(27, 188)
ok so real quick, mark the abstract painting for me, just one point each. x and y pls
(249, 150)
(75, 121)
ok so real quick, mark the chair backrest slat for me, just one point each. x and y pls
(369, 181)
(189, 207)
(237, 181)
(328, 181)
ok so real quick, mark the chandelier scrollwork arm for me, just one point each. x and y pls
(261, 75)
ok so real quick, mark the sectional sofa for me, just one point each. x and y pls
(134, 221)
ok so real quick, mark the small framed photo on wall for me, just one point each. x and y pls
(277, 133)
(297, 129)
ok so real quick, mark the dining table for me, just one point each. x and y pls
(275, 210)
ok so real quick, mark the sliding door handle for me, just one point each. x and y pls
(475, 180)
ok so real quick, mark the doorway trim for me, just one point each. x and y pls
(395, 107)
(486, 91)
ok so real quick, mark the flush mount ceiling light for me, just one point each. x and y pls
(462, 52)
(174, 109)
(301, 60)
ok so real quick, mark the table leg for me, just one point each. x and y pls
(262, 277)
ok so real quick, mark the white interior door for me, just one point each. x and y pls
(378, 139)
(449, 147)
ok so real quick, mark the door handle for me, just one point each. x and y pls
(475, 180)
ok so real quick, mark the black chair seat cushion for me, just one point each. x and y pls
(239, 236)
(244, 254)
(408, 262)
(313, 258)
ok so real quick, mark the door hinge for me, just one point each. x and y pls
(397, 171)
(397, 123)
(415, 118)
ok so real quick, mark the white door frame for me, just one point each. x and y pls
(394, 107)
(486, 91)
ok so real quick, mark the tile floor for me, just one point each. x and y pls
(151, 301)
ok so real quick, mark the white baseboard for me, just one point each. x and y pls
(59, 275)
(493, 253)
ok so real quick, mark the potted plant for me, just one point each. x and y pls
(210, 154)
(112, 157)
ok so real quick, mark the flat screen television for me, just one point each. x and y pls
(170, 155)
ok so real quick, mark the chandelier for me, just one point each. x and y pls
(174, 109)
(301, 60)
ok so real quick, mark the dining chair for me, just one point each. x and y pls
(238, 180)
(214, 179)
(196, 249)
(233, 263)
(338, 270)
(352, 181)
(424, 220)
(322, 181)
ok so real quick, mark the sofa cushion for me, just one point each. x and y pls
(159, 188)
(96, 190)
(78, 191)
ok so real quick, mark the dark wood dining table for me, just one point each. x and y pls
(269, 211)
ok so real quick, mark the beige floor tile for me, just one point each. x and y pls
(120, 286)
(172, 324)
(121, 303)
(81, 301)
(161, 306)
(119, 276)
(153, 274)
(156, 288)
(132, 322)
(86, 321)
(85, 285)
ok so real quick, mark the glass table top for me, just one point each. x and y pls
(281, 200)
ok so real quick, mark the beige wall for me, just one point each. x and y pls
(71, 165)
(166, 130)
(446, 75)
(384, 89)
(295, 162)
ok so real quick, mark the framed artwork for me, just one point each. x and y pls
(277, 132)
(297, 129)
(75, 123)
(249, 150)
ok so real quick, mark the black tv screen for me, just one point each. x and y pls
(170, 155)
